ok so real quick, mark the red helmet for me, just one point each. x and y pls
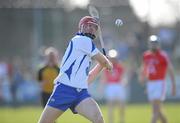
(87, 20)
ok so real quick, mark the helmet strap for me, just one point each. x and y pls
(92, 36)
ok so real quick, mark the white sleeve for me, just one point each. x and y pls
(88, 47)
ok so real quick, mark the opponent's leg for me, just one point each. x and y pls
(49, 115)
(157, 113)
(122, 112)
(90, 110)
(110, 111)
(161, 115)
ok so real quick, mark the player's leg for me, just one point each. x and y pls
(60, 100)
(122, 111)
(156, 93)
(121, 101)
(154, 112)
(110, 104)
(50, 114)
(111, 92)
(157, 113)
(44, 98)
(162, 117)
(90, 110)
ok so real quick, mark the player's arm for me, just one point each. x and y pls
(125, 71)
(125, 80)
(172, 77)
(103, 82)
(102, 62)
(141, 74)
(90, 49)
(94, 73)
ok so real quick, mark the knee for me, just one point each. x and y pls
(42, 120)
(155, 115)
(99, 119)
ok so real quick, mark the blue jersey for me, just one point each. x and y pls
(76, 62)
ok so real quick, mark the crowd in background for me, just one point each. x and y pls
(17, 82)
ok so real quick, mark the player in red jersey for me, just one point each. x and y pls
(115, 87)
(153, 71)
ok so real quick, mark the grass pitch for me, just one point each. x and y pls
(136, 113)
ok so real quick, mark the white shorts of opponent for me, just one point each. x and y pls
(156, 90)
(115, 92)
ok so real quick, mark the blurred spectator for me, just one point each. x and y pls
(177, 52)
(167, 37)
(48, 73)
(5, 95)
(134, 47)
(123, 50)
(28, 90)
(17, 78)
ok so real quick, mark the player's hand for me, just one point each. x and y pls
(109, 66)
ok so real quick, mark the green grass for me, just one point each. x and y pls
(134, 114)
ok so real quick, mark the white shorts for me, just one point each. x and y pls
(156, 90)
(115, 92)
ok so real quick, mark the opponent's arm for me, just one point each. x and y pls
(172, 77)
(142, 77)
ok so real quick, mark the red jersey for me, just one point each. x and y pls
(155, 65)
(116, 75)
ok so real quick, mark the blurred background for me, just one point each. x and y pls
(27, 27)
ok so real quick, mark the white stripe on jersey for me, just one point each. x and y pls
(76, 62)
